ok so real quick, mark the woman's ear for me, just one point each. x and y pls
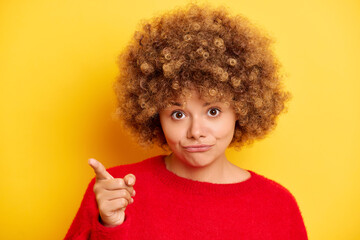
(237, 117)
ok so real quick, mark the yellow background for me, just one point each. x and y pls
(57, 66)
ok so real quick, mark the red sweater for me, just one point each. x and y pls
(167, 206)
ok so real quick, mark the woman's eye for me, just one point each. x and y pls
(178, 115)
(213, 112)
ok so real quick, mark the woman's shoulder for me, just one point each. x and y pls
(270, 187)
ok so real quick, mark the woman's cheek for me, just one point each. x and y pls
(223, 130)
(173, 133)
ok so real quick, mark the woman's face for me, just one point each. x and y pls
(198, 132)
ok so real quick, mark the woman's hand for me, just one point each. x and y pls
(112, 194)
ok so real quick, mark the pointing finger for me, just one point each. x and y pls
(130, 179)
(99, 170)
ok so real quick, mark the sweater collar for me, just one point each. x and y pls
(204, 188)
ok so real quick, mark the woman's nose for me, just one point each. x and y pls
(196, 128)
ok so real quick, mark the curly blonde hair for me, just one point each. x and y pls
(224, 58)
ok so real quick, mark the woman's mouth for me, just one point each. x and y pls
(197, 148)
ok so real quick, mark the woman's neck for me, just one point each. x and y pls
(221, 171)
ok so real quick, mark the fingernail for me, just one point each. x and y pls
(91, 161)
(130, 181)
(131, 200)
(133, 193)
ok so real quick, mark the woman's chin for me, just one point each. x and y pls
(197, 160)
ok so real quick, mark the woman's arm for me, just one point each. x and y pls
(88, 223)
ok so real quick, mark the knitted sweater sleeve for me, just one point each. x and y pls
(86, 225)
(290, 224)
(296, 225)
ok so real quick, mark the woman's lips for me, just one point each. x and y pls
(198, 148)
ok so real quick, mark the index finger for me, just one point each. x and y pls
(99, 170)
(130, 179)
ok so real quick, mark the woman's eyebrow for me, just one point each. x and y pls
(176, 104)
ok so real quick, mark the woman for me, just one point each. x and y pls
(195, 81)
